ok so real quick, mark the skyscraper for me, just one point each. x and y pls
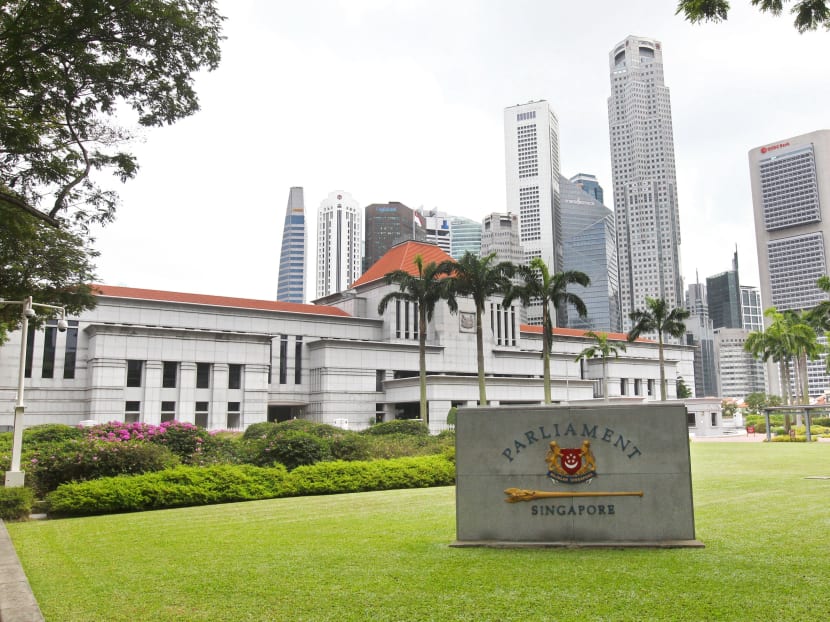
(590, 185)
(724, 293)
(589, 245)
(791, 201)
(465, 235)
(531, 145)
(339, 243)
(438, 228)
(291, 284)
(388, 224)
(752, 314)
(500, 235)
(643, 171)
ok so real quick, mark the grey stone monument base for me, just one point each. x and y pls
(588, 476)
(662, 544)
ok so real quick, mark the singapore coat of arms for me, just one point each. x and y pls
(571, 466)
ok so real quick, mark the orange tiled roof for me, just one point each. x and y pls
(114, 291)
(576, 332)
(402, 257)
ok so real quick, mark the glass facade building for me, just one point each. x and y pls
(292, 278)
(387, 224)
(589, 245)
(465, 235)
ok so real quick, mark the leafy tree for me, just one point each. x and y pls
(66, 67)
(54, 266)
(681, 389)
(604, 349)
(809, 14)
(549, 290)
(478, 278)
(728, 407)
(756, 402)
(659, 319)
(425, 290)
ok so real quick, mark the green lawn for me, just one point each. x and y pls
(385, 556)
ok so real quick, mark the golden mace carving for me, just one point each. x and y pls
(515, 495)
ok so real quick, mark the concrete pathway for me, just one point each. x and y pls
(17, 603)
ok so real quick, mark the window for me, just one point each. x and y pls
(283, 359)
(134, 369)
(30, 352)
(234, 376)
(380, 376)
(132, 411)
(638, 386)
(623, 386)
(168, 411)
(49, 345)
(234, 416)
(168, 374)
(298, 360)
(71, 353)
(202, 375)
(202, 414)
(651, 387)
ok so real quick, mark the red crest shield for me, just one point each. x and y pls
(571, 460)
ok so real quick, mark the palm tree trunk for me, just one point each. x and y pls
(422, 361)
(482, 390)
(663, 387)
(546, 351)
(605, 379)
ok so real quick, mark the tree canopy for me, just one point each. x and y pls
(52, 265)
(67, 66)
(809, 14)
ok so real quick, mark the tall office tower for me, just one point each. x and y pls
(500, 235)
(386, 225)
(645, 186)
(589, 243)
(739, 373)
(465, 235)
(791, 200)
(590, 185)
(724, 293)
(291, 284)
(696, 299)
(438, 229)
(531, 146)
(701, 336)
(752, 314)
(339, 243)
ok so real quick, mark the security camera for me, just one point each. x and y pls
(62, 325)
(29, 312)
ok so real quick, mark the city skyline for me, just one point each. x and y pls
(427, 129)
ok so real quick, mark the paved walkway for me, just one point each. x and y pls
(17, 603)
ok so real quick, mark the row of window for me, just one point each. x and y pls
(170, 374)
(132, 413)
(50, 342)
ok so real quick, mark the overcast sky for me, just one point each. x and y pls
(404, 101)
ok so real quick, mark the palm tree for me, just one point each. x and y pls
(658, 318)
(771, 344)
(539, 285)
(604, 349)
(478, 278)
(425, 290)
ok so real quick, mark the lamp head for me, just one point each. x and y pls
(62, 325)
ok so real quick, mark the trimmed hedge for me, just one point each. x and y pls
(399, 426)
(187, 486)
(16, 503)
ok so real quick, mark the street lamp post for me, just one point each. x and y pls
(14, 476)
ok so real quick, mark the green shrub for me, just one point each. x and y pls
(794, 439)
(399, 426)
(53, 464)
(188, 485)
(51, 433)
(339, 477)
(822, 421)
(289, 448)
(16, 503)
(178, 487)
(349, 447)
(258, 430)
(320, 430)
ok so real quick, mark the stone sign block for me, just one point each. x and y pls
(604, 475)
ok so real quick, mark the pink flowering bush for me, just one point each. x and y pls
(192, 444)
(52, 464)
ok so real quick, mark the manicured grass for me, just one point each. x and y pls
(385, 556)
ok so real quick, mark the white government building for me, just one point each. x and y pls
(225, 363)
